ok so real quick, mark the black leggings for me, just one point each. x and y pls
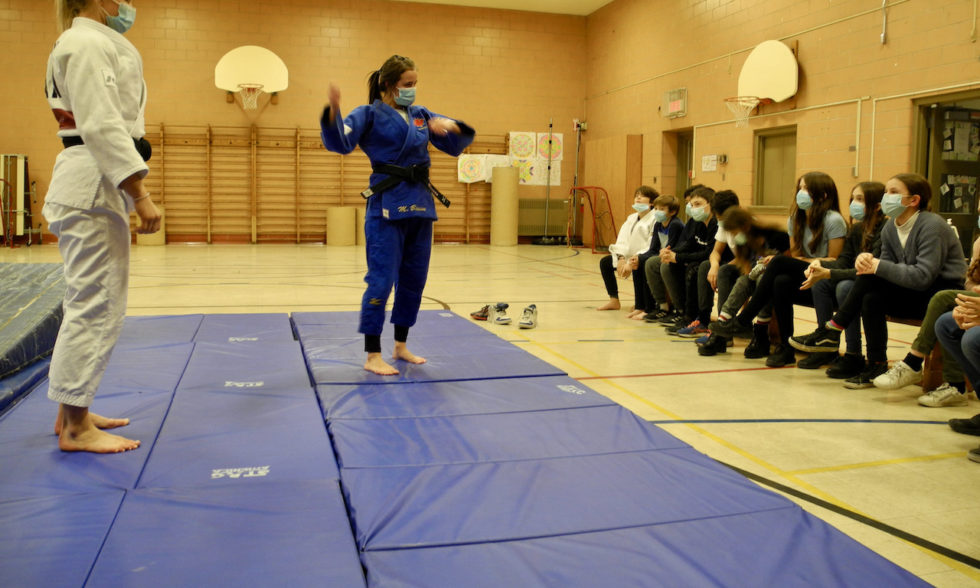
(640, 288)
(779, 284)
(875, 299)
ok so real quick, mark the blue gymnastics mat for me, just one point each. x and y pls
(263, 534)
(14, 386)
(31, 296)
(239, 328)
(343, 325)
(259, 366)
(440, 399)
(147, 331)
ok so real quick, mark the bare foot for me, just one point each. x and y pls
(98, 420)
(94, 440)
(402, 352)
(378, 365)
(636, 313)
(613, 304)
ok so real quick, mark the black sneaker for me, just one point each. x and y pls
(782, 356)
(846, 366)
(823, 339)
(758, 347)
(714, 345)
(730, 328)
(673, 317)
(655, 316)
(679, 323)
(970, 426)
(866, 378)
(817, 360)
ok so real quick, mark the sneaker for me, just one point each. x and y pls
(673, 317)
(899, 376)
(974, 455)
(758, 347)
(823, 339)
(529, 319)
(703, 339)
(693, 330)
(782, 356)
(866, 378)
(846, 366)
(730, 328)
(677, 325)
(498, 314)
(655, 316)
(716, 344)
(944, 395)
(817, 360)
(482, 314)
(970, 426)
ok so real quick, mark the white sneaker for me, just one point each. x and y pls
(498, 314)
(944, 395)
(898, 376)
(529, 319)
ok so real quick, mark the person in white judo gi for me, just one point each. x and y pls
(95, 88)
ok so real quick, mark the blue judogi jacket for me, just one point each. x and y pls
(382, 134)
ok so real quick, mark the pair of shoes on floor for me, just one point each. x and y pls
(970, 426)
(945, 395)
(782, 356)
(824, 339)
(656, 316)
(846, 366)
(713, 345)
(866, 378)
(680, 322)
(497, 314)
(730, 328)
(817, 360)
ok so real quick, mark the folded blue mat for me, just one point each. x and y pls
(239, 328)
(53, 540)
(367, 401)
(494, 437)
(227, 437)
(422, 506)
(31, 296)
(147, 331)
(14, 386)
(266, 534)
(783, 547)
(249, 367)
(339, 361)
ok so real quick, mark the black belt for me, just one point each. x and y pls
(398, 174)
(143, 146)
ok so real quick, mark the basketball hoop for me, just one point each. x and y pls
(741, 107)
(250, 95)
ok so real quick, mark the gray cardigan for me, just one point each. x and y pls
(932, 252)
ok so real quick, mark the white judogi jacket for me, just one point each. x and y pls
(95, 87)
(634, 236)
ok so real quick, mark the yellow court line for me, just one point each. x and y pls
(789, 476)
(871, 464)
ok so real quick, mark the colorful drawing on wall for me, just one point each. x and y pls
(522, 144)
(525, 169)
(471, 168)
(493, 161)
(554, 146)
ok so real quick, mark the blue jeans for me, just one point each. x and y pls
(963, 345)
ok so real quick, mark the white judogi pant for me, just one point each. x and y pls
(95, 247)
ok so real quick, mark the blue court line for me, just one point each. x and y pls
(723, 421)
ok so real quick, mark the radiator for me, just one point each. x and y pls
(530, 217)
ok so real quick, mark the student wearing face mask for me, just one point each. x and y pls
(817, 231)
(667, 229)
(395, 134)
(677, 270)
(920, 256)
(830, 281)
(94, 86)
(633, 239)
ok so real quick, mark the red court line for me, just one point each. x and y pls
(755, 369)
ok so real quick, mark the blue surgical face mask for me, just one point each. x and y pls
(123, 22)
(660, 215)
(803, 200)
(857, 210)
(405, 97)
(891, 205)
(687, 210)
(640, 207)
(741, 239)
(699, 213)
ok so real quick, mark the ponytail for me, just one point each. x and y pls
(67, 10)
(374, 86)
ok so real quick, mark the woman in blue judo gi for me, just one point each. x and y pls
(395, 135)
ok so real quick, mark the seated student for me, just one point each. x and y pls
(952, 392)
(666, 234)
(920, 256)
(817, 230)
(957, 333)
(756, 243)
(832, 280)
(633, 239)
(677, 270)
(714, 274)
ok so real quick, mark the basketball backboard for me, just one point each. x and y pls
(251, 64)
(770, 72)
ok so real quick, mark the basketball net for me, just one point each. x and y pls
(741, 107)
(250, 95)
